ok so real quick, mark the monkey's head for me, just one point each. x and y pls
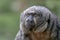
(35, 17)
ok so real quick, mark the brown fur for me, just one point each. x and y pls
(39, 36)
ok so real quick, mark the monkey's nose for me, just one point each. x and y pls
(30, 20)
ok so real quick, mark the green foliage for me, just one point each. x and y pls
(9, 25)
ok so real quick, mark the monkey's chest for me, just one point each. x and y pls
(39, 36)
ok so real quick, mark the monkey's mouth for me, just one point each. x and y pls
(29, 26)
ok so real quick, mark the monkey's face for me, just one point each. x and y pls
(33, 19)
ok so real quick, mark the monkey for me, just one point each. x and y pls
(38, 23)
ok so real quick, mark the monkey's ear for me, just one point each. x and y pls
(51, 18)
(51, 22)
(48, 20)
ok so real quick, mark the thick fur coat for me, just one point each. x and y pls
(51, 31)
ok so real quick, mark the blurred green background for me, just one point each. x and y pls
(10, 14)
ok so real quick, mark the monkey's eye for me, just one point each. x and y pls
(37, 15)
(27, 14)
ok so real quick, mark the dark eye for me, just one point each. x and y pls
(38, 15)
(35, 15)
(27, 14)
